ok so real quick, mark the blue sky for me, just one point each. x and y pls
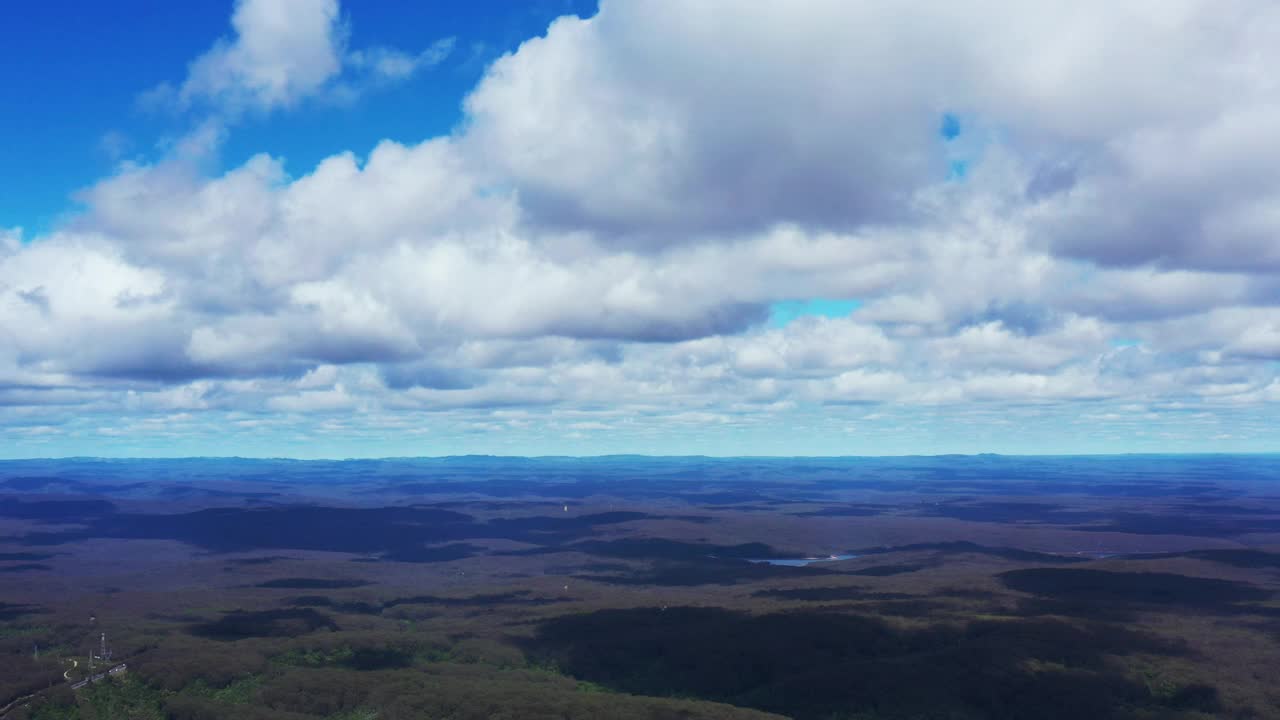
(320, 228)
(785, 312)
(76, 71)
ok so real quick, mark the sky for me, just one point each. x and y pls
(308, 228)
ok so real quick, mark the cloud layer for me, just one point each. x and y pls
(1064, 212)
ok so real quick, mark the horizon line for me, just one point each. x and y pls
(607, 456)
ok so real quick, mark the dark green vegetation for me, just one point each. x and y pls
(1106, 588)
(312, 583)
(964, 547)
(981, 588)
(264, 623)
(24, 567)
(819, 664)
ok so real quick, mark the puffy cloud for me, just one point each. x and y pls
(660, 118)
(284, 51)
(1185, 197)
(642, 120)
(281, 52)
(71, 303)
(994, 345)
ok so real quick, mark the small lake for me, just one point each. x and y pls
(801, 562)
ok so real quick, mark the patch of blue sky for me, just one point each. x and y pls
(785, 312)
(958, 158)
(1125, 342)
(961, 143)
(949, 129)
